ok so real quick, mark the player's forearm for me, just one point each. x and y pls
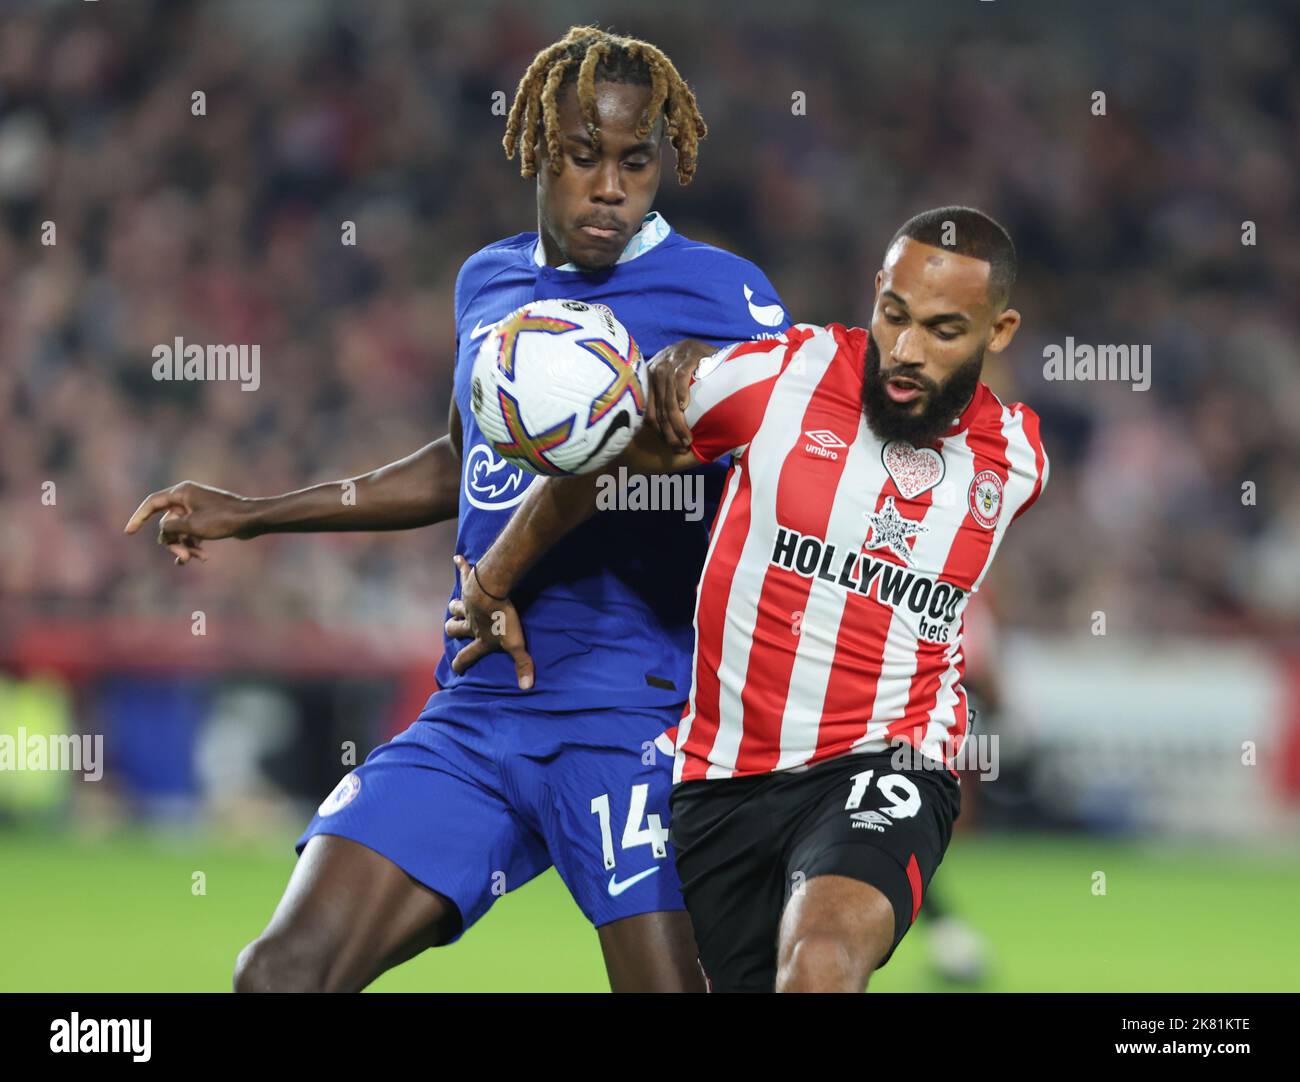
(549, 511)
(560, 504)
(418, 490)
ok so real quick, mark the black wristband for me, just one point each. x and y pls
(474, 571)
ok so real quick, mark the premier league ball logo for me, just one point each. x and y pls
(558, 387)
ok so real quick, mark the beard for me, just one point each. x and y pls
(891, 420)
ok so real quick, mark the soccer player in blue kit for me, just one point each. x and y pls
(495, 782)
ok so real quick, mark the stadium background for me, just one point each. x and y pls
(1121, 753)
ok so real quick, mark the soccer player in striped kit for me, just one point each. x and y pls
(873, 477)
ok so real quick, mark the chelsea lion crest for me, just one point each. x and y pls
(344, 794)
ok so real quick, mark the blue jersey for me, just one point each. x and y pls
(608, 613)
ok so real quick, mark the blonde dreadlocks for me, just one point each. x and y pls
(582, 55)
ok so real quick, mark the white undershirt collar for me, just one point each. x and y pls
(654, 229)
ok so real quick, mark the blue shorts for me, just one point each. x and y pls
(479, 796)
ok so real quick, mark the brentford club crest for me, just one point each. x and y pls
(986, 498)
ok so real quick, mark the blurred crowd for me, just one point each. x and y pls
(1173, 509)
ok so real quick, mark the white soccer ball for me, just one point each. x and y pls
(558, 387)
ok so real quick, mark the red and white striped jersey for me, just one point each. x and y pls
(829, 614)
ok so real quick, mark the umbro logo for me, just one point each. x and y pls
(870, 820)
(823, 443)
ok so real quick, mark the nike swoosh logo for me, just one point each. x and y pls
(616, 888)
(480, 330)
(769, 315)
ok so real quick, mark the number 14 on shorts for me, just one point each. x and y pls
(653, 834)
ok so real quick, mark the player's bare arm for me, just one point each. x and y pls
(414, 491)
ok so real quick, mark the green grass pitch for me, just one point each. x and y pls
(119, 914)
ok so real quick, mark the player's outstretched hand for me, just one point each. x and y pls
(493, 625)
(193, 513)
(670, 380)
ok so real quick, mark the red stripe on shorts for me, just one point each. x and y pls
(914, 878)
